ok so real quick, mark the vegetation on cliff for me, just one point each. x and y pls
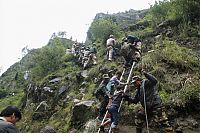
(170, 35)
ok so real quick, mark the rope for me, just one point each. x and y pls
(145, 105)
(145, 109)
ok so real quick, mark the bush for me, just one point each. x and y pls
(189, 92)
(102, 28)
(3, 93)
(170, 55)
(49, 59)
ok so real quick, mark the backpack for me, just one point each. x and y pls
(110, 88)
(100, 91)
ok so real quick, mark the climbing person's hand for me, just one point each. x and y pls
(143, 71)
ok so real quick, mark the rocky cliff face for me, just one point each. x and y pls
(124, 19)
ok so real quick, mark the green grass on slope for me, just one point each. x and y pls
(11, 100)
(177, 71)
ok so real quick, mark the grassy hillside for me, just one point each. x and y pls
(170, 52)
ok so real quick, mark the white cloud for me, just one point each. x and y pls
(31, 22)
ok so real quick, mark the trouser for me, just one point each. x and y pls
(110, 52)
(103, 105)
(156, 115)
(138, 130)
(86, 62)
(113, 110)
(94, 59)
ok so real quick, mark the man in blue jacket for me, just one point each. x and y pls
(8, 118)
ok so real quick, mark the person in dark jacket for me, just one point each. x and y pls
(8, 118)
(153, 103)
(101, 95)
(113, 107)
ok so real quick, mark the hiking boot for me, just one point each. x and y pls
(169, 130)
(138, 130)
(113, 130)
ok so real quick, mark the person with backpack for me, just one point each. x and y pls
(110, 43)
(152, 105)
(101, 95)
(8, 118)
(131, 50)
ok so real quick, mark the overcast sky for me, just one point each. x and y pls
(32, 22)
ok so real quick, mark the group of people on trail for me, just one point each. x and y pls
(110, 101)
(86, 55)
(10, 116)
(111, 91)
(130, 49)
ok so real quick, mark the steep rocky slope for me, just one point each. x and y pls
(63, 97)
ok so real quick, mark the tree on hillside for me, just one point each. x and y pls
(53, 35)
(62, 34)
(48, 59)
(25, 51)
(102, 28)
(187, 10)
(160, 11)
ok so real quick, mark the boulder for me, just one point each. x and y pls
(62, 90)
(90, 127)
(81, 113)
(40, 111)
(55, 80)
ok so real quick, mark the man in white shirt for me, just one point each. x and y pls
(110, 47)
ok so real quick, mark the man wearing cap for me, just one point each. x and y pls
(152, 101)
(102, 96)
(110, 47)
(8, 118)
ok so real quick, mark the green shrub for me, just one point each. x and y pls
(173, 56)
(102, 28)
(189, 92)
